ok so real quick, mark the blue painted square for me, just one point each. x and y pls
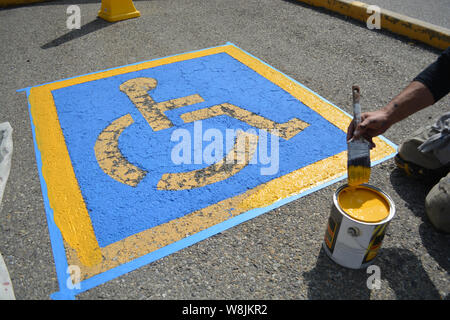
(117, 210)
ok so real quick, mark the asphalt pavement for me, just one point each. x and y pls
(277, 255)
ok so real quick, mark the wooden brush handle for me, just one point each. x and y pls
(356, 106)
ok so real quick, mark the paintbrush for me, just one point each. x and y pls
(358, 163)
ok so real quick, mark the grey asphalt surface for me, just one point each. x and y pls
(277, 255)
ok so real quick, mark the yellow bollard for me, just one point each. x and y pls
(116, 10)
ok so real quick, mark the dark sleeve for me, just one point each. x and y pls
(436, 77)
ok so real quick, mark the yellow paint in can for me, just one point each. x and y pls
(364, 204)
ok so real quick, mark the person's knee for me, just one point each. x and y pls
(437, 205)
(409, 151)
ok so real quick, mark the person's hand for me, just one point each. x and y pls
(372, 124)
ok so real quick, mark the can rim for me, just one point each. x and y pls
(386, 196)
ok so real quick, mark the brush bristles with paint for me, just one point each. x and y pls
(358, 164)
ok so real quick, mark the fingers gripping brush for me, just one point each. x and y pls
(358, 163)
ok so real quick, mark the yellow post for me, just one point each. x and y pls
(116, 10)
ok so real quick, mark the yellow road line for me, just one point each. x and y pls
(5, 3)
(69, 210)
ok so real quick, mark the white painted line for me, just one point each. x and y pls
(6, 149)
(6, 288)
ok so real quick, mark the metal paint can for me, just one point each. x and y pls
(354, 243)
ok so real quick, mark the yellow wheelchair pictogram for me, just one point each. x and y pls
(109, 157)
(114, 164)
(137, 90)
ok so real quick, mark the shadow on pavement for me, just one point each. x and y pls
(90, 27)
(401, 269)
(437, 245)
(414, 192)
(330, 281)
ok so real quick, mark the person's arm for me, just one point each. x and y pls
(427, 88)
(413, 98)
(437, 76)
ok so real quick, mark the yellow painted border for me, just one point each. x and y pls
(71, 215)
(415, 29)
(5, 3)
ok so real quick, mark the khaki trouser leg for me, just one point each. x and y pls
(409, 152)
(437, 205)
(437, 202)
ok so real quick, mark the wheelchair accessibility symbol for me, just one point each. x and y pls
(114, 164)
(115, 196)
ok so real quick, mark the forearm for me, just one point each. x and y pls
(427, 88)
(413, 98)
